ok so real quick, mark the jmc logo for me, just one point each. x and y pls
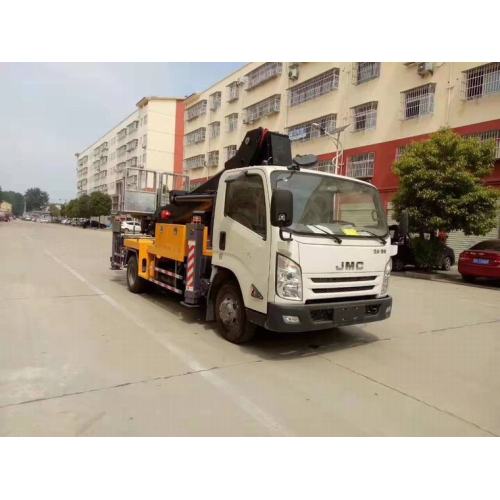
(350, 266)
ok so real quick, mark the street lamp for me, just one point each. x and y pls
(339, 148)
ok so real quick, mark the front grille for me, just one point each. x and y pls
(340, 299)
(343, 289)
(343, 279)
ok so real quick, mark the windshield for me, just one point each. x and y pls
(329, 204)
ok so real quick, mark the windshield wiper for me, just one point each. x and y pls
(323, 233)
(380, 238)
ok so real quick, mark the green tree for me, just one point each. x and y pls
(100, 204)
(441, 184)
(54, 210)
(15, 199)
(71, 209)
(36, 199)
(84, 206)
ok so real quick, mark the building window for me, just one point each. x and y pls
(480, 81)
(131, 145)
(233, 91)
(489, 135)
(364, 71)
(144, 141)
(132, 162)
(198, 109)
(121, 134)
(213, 159)
(132, 127)
(263, 108)
(364, 117)
(361, 166)
(418, 101)
(307, 131)
(121, 150)
(313, 88)
(194, 162)
(230, 151)
(400, 151)
(120, 167)
(214, 129)
(196, 136)
(232, 122)
(263, 73)
(246, 203)
(215, 101)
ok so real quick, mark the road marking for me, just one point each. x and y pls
(248, 406)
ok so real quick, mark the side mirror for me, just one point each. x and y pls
(403, 222)
(281, 208)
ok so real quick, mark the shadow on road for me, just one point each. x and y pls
(266, 344)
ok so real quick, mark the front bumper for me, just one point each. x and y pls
(322, 316)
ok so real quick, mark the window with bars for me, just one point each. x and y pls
(131, 145)
(215, 101)
(307, 131)
(121, 134)
(233, 91)
(263, 73)
(364, 116)
(194, 162)
(132, 162)
(83, 161)
(263, 108)
(480, 81)
(229, 151)
(361, 166)
(196, 136)
(121, 150)
(214, 130)
(314, 87)
(400, 151)
(232, 122)
(418, 101)
(120, 167)
(200, 108)
(132, 127)
(489, 135)
(213, 158)
(364, 71)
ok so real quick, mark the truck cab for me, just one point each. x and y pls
(308, 250)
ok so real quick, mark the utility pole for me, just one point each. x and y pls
(339, 148)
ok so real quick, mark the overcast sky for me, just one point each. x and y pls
(50, 111)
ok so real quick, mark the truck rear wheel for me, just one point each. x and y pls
(135, 283)
(230, 315)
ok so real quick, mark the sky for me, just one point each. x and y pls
(50, 111)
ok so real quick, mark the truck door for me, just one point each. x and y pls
(242, 235)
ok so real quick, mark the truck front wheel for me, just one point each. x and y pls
(230, 315)
(135, 283)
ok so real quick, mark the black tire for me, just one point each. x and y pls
(398, 265)
(446, 264)
(135, 283)
(230, 315)
(468, 278)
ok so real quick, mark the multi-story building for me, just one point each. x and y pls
(150, 138)
(383, 107)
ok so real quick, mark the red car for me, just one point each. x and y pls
(480, 261)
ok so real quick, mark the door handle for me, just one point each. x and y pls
(222, 240)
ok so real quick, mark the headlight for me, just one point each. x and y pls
(387, 273)
(288, 278)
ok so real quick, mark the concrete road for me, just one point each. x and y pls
(80, 355)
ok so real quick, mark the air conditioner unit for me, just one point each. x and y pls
(425, 68)
(293, 73)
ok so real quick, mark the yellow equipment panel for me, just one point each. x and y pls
(170, 241)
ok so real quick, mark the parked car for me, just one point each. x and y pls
(129, 226)
(406, 256)
(94, 223)
(480, 261)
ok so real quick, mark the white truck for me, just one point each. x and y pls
(268, 242)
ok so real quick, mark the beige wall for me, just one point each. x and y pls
(449, 107)
(154, 151)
